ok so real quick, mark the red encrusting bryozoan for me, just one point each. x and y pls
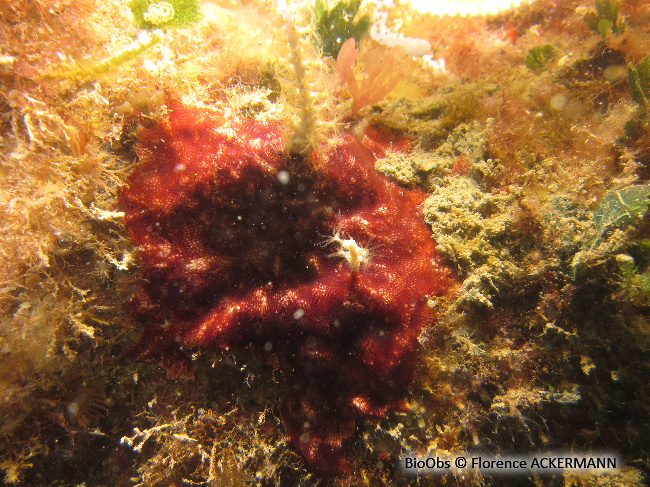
(237, 250)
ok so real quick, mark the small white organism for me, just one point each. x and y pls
(350, 251)
(159, 13)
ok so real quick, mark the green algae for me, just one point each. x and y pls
(614, 213)
(639, 79)
(171, 14)
(338, 24)
(605, 18)
(618, 208)
(538, 56)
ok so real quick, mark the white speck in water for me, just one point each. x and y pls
(559, 101)
(283, 177)
(299, 313)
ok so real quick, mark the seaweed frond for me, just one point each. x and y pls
(538, 56)
(639, 80)
(337, 24)
(309, 99)
(605, 18)
(380, 74)
(91, 70)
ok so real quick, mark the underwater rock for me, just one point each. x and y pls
(319, 266)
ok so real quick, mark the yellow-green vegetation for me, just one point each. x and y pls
(148, 15)
(87, 70)
(61, 250)
(605, 18)
(615, 212)
(58, 203)
(308, 87)
(67, 268)
(165, 13)
(514, 237)
(433, 117)
(634, 273)
(639, 80)
(635, 285)
(336, 25)
(203, 446)
(538, 56)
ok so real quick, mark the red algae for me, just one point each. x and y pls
(323, 269)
